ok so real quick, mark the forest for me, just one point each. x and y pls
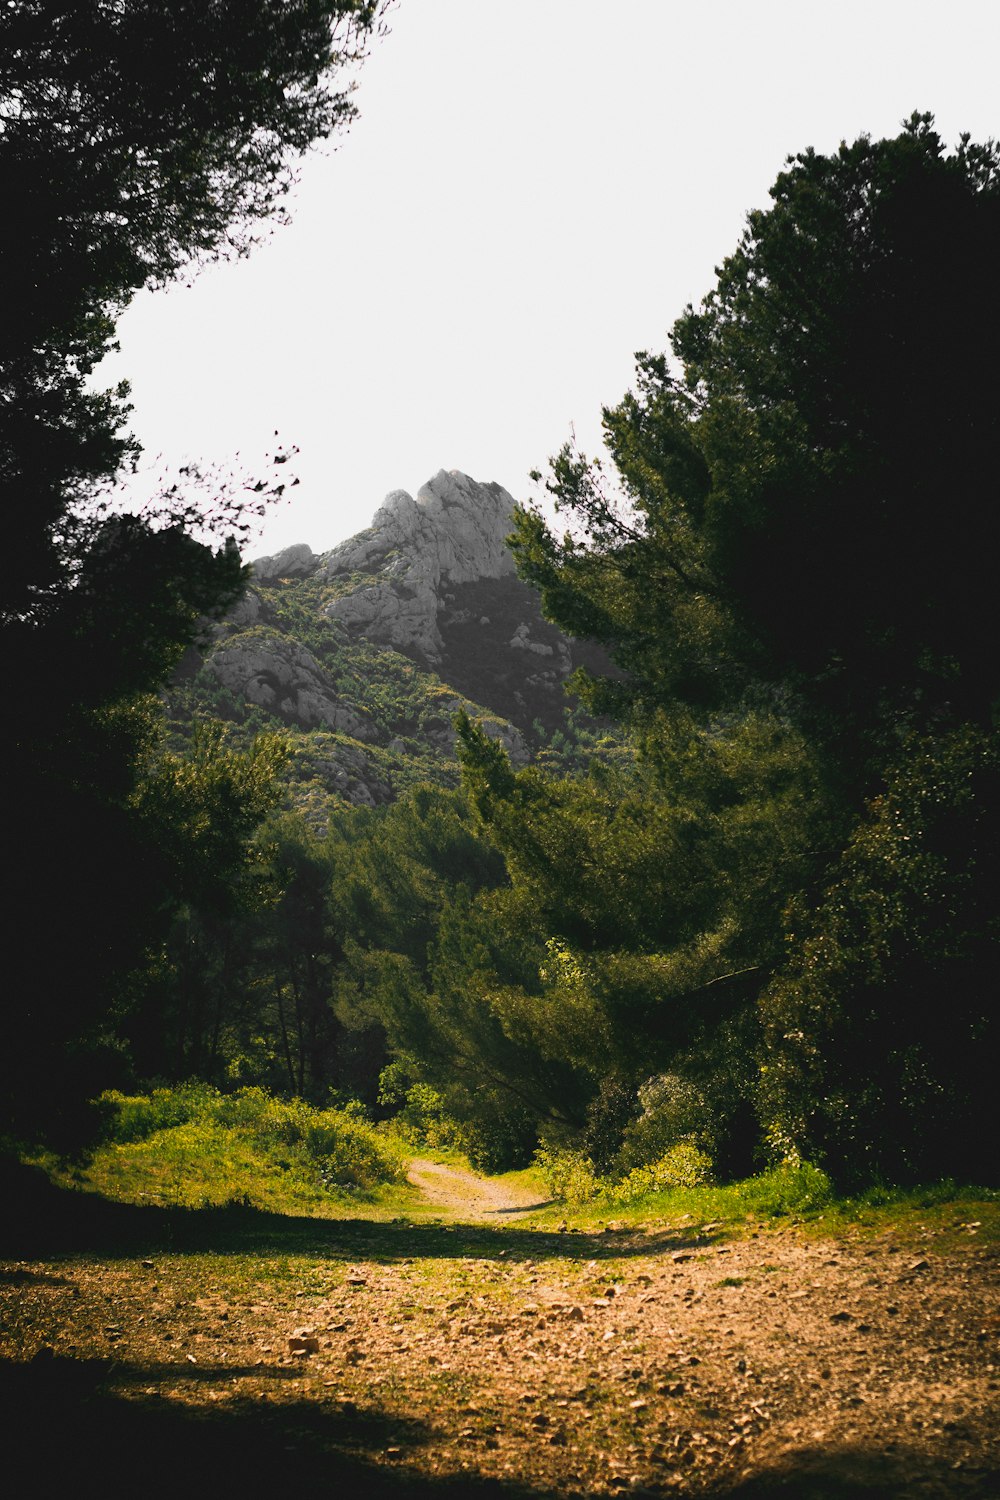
(755, 937)
(765, 935)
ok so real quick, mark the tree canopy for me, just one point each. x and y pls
(805, 482)
(800, 532)
(137, 140)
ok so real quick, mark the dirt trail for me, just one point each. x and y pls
(466, 1196)
(490, 1358)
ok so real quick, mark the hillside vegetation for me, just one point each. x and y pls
(321, 890)
(749, 928)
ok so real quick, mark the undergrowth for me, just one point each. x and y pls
(791, 1187)
(678, 1188)
(191, 1146)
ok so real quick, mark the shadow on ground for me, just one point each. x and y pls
(79, 1424)
(846, 1473)
(522, 1208)
(71, 1424)
(46, 1222)
(75, 1425)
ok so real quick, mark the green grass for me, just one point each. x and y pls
(192, 1147)
(206, 1165)
(947, 1213)
(525, 1180)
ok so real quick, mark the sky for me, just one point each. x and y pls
(533, 191)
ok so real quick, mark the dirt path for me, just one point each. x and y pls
(490, 1357)
(464, 1195)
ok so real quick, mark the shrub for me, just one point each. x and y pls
(568, 1175)
(337, 1143)
(790, 1188)
(500, 1138)
(349, 1152)
(135, 1117)
(610, 1115)
(683, 1165)
(422, 1117)
(674, 1110)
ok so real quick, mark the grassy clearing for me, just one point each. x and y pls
(555, 1353)
(191, 1147)
(799, 1195)
(956, 1213)
(201, 1165)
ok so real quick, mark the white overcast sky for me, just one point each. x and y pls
(533, 191)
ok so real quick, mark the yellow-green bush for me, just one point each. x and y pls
(339, 1144)
(793, 1187)
(568, 1175)
(135, 1117)
(422, 1117)
(683, 1165)
(674, 1110)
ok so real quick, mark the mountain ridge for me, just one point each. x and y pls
(365, 652)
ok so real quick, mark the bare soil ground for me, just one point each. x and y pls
(486, 1356)
(464, 1195)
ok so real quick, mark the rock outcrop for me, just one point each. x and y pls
(432, 577)
(414, 551)
(278, 674)
(298, 561)
(368, 651)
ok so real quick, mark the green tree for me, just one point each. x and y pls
(297, 949)
(804, 486)
(800, 536)
(425, 952)
(656, 911)
(880, 1031)
(206, 885)
(136, 140)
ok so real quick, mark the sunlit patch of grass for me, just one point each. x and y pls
(525, 1180)
(192, 1147)
(676, 1207)
(949, 1215)
(207, 1165)
(199, 1165)
(944, 1213)
(445, 1156)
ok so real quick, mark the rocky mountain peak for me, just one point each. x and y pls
(456, 529)
(415, 550)
(367, 651)
(298, 561)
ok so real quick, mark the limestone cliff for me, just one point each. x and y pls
(366, 652)
(278, 674)
(432, 577)
(414, 551)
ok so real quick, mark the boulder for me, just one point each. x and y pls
(298, 561)
(283, 677)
